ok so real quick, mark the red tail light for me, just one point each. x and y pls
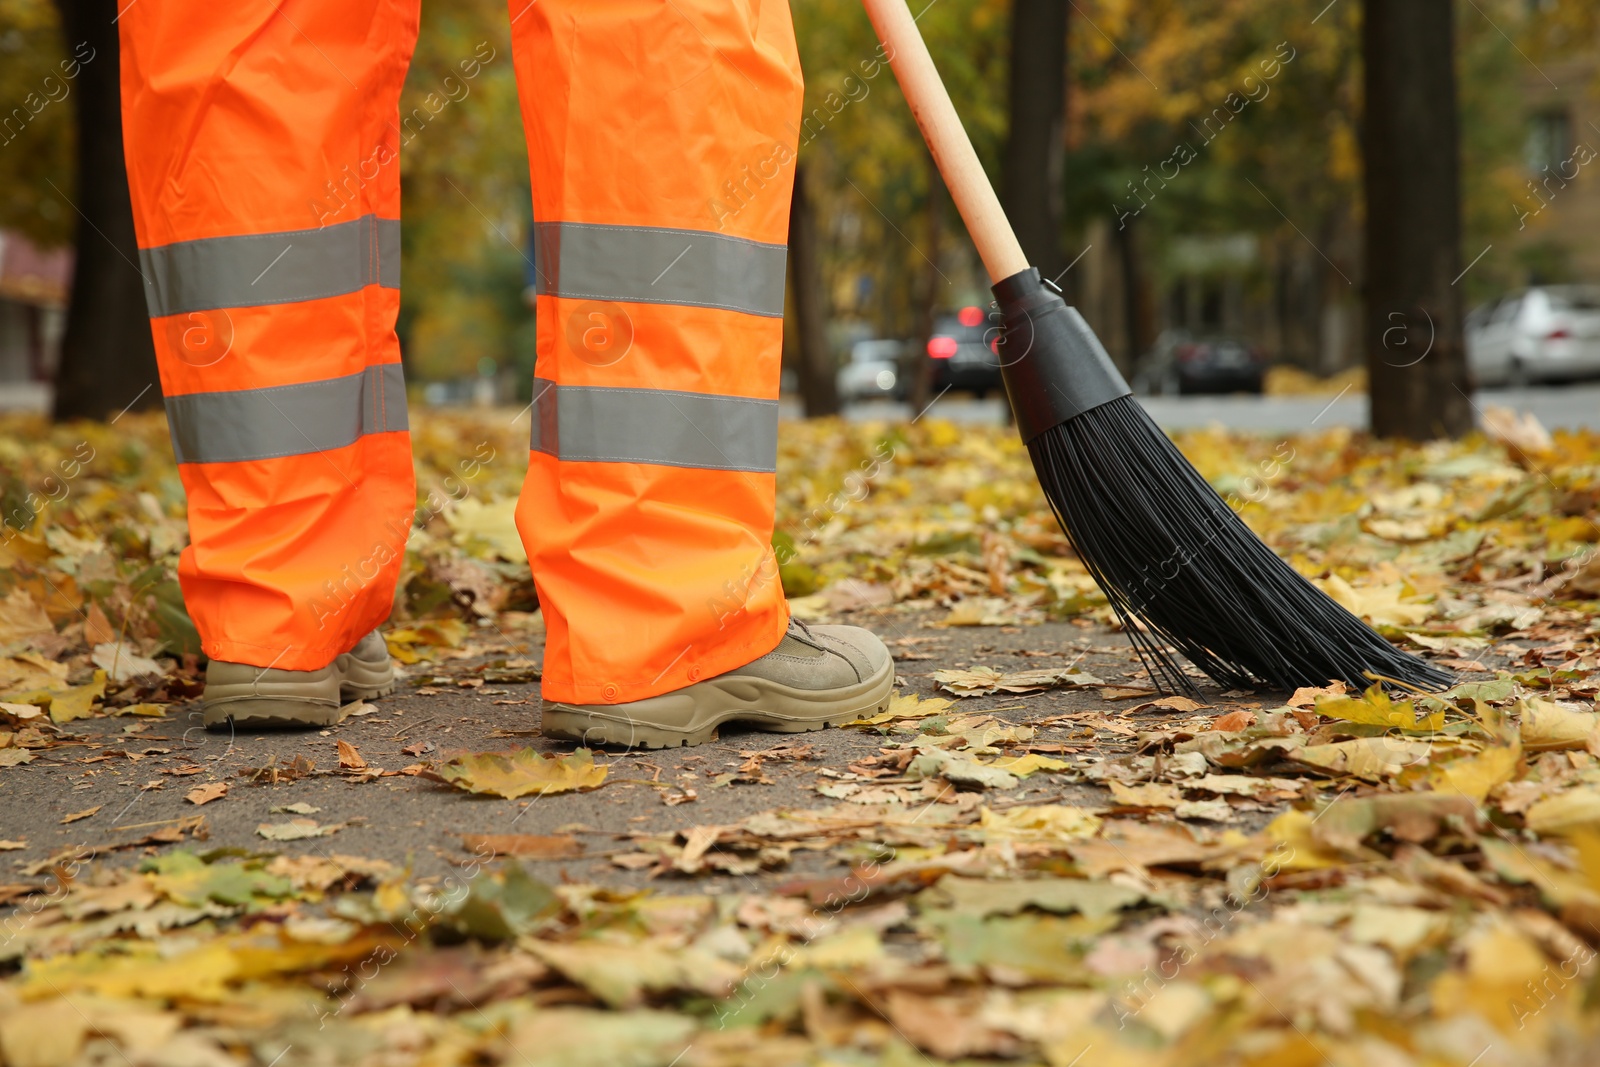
(971, 316)
(941, 347)
(1187, 353)
(1560, 333)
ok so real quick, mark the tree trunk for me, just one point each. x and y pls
(916, 364)
(1032, 170)
(1416, 358)
(818, 390)
(107, 358)
(1138, 316)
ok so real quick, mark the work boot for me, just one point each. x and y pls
(816, 677)
(253, 697)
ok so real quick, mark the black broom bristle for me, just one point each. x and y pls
(1178, 565)
(1176, 560)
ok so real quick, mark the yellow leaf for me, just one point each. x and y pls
(1153, 795)
(1374, 708)
(521, 772)
(1547, 725)
(21, 618)
(906, 706)
(1565, 813)
(1029, 762)
(1475, 776)
(1044, 824)
(1298, 849)
(1379, 605)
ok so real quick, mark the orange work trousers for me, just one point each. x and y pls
(661, 140)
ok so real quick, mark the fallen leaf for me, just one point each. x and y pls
(1151, 795)
(1565, 813)
(524, 846)
(1307, 695)
(298, 808)
(1374, 708)
(1379, 605)
(297, 829)
(349, 758)
(981, 681)
(1172, 703)
(906, 706)
(521, 772)
(205, 794)
(1547, 725)
(12, 846)
(121, 663)
(22, 618)
(84, 814)
(1234, 721)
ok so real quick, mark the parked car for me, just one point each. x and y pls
(873, 372)
(963, 351)
(1547, 333)
(1184, 365)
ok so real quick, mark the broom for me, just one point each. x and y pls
(1180, 568)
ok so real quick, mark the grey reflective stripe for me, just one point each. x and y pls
(272, 268)
(651, 265)
(586, 423)
(287, 420)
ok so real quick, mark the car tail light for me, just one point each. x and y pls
(1560, 333)
(994, 344)
(970, 316)
(942, 347)
(1188, 353)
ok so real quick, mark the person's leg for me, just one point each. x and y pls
(661, 142)
(261, 143)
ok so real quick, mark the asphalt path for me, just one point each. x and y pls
(138, 781)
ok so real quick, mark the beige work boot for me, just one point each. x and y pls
(253, 697)
(817, 676)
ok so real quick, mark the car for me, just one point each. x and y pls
(1186, 365)
(1543, 334)
(962, 347)
(873, 371)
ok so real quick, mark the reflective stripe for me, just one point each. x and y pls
(586, 423)
(287, 420)
(651, 265)
(272, 268)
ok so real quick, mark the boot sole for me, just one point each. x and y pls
(684, 718)
(249, 710)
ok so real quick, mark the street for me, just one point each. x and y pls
(1570, 406)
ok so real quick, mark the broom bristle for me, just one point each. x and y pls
(1182, 569)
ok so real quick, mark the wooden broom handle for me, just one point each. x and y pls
(947, 139)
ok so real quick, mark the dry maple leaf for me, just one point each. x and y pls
(520, 773)
(205, 794)
(349, 758)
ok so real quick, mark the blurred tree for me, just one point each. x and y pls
(1034, 137)
(61, 166)
(108, 360)
(818, 391)
(464, 200)
(1416, 358)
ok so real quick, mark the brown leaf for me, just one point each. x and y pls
(206, 793)
(1306, 696)
(84, 814)
(1234, 720)
(524, 846)
(349, 758)
(97, 629)
(1173, 703)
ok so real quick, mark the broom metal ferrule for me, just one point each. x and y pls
(1053, 365)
